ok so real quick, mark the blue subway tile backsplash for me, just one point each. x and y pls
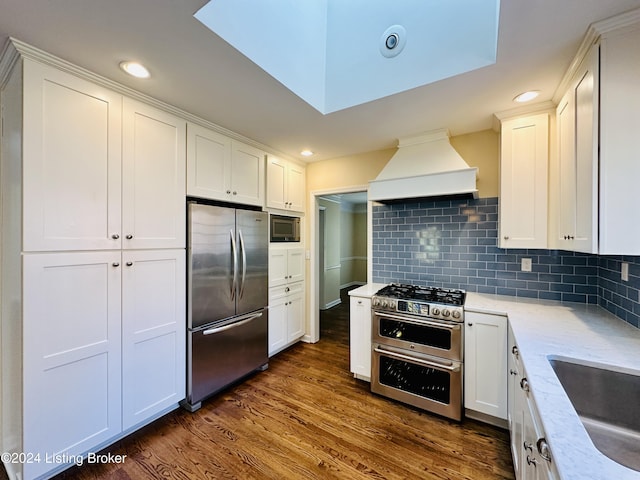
(454, 244)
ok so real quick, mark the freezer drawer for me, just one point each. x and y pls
(223, 353)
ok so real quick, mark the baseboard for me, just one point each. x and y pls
(331, 304)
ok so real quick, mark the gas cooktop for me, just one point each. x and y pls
(402, 291)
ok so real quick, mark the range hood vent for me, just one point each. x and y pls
(424, 166)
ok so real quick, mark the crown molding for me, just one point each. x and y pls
(540, 107)
(15, 49)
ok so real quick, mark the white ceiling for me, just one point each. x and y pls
(197, 71)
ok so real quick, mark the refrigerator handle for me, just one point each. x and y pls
(244, 263)
(232, 325)
(235, 265)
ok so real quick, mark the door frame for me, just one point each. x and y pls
(313, 334)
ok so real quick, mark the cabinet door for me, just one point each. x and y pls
(295, 312)
(247, 174)
(278, 272)
(566, 171)
(72, 353)
(485, 358)
(295, 264)
(296, 182)
(514, 406)
(208, 163)
(277, 319)
(523, 182)
(153, 333)
(153, 185)
(276, 183)
(72, 161)
(360, 337)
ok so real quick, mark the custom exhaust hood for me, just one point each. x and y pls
(424, 166)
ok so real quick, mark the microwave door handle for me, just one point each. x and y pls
(234, 254)
(244, 263)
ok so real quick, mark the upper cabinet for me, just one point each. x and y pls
(100, 171)
(619, 127)
(285, 185)
(597, 168)
(524, 161)
(220, 168)
(577, 160)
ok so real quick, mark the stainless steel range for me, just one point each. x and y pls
(417, 347)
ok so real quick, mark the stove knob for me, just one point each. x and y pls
(385, 303)
(456, 314)
(436, 311)
(392, 304)
(446, 312)
(376, 302)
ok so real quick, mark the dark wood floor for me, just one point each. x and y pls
(306, 417)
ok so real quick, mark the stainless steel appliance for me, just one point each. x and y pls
(417, 347)
(285, 228)
(227, 297)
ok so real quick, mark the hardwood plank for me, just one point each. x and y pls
(307, 417)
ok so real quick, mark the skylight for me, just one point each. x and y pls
(335, 54)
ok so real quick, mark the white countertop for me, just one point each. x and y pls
(583, 332)
(368, 290)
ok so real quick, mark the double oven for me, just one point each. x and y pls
(417, 347)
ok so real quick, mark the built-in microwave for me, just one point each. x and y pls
(285, 229)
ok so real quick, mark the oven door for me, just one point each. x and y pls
(438, 338)
(432, 384)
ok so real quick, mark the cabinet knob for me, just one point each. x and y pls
(115, 264)
(129, 264)
(228, 192)
(506, 237)
(524, 384)
(129, 237)
(543, 449)
(235, 193)
(512, 372)
(514, 350)
(115, 236)
(470, 324)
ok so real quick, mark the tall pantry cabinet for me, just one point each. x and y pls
(93, 263)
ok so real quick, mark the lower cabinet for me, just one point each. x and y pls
(286, 316)
(360, 337)
(103, 347)
(485, 364)
(532, 458)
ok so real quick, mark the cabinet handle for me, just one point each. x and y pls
(470, 324)
(359, 302)
(543, 449)
(129, 264)
(235, 193)
(515, 350)
(513, 372)
(115, 236)
(524, 384)
(129, 237)
(287, 289)
(228, 192)
(527, 446)
(115, 264)
(506, 237)
(532, 461)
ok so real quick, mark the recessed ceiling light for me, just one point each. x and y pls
(135, 69)
(306, 153)
(526, 96)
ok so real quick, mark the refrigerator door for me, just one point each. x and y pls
(224, 352)
(213, 267)
(253, 260)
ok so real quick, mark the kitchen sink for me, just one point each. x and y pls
(608, 404)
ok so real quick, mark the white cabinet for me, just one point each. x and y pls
(95, 278)
(72, 162)
(524, 160)
(532, 457)
(71, 353)
(100, 171)
(220, 168)
(285, 185)
(286, 265)
(153, 332)
(360, 337)
(577, 168)
(485, 364)
(619, 127)
(153, 177)
(286, 296)
(286, 316)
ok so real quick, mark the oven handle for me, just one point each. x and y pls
(420, 321)
(451, 368)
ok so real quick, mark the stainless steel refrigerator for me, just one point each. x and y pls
(227, 297)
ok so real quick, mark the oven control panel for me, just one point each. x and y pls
(423, 309)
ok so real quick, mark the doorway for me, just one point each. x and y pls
(340, 228)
